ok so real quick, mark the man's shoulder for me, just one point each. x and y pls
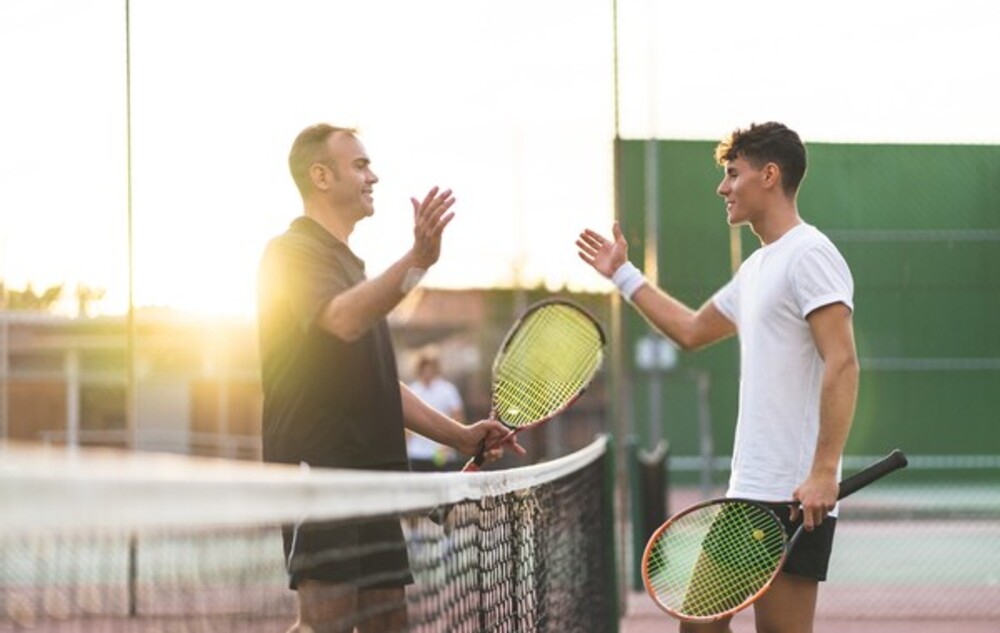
(807, 239)
(305, 240)
(298, 234)
(805, 235)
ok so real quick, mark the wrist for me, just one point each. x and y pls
(412, 279)
(628, 279)
(823, 470)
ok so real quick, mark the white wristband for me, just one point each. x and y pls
(412, 279)
(628, 279)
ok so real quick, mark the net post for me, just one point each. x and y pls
(635, 509)
(653, 488)
(133, 575)
(610, 552)
(648, 489)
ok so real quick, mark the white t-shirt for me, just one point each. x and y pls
(443, 396)
(780, 368)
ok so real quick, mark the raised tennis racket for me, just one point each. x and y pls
(717, 557)
(546, 361)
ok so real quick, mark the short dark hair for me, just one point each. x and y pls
(310, 147)
(764, 143)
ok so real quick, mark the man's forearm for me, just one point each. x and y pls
(838, 399)
(687, 328)
(425, 420)
(353, 312)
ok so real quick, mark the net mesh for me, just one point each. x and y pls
(85, 548)
(547, 361)
(714, 558)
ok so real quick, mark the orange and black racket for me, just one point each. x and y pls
(717, 557)
(546, 361)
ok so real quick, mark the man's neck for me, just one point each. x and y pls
(779, 220)
(328, 217)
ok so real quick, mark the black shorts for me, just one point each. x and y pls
(367, 554)
(810, 557)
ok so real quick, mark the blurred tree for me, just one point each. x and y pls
(28, 299)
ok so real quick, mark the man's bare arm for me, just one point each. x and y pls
(833, 333)
(351, 313)
(688, 328)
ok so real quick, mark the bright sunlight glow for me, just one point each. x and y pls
(512, 107)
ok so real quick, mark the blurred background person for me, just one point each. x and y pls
(438, 392)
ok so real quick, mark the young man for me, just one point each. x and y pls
(791, 305)
(332, 396)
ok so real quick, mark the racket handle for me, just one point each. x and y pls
(891, 462)
(472, 466)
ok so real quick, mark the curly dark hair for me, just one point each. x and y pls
(764, 143)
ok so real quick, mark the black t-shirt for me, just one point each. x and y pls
(327, 402)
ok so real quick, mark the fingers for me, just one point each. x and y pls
(516, 446)
(811, 516)
(817, 497)
(590, 244)
(433, 208)
(808, 521)
(808, 518)
(496, 438)
(430, 196)
(498, 435)
(586, 253)
(592, 240)
(495, 452)
(430, 217)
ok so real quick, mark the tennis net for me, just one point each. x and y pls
(111, 542)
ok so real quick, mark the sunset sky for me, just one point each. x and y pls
(510, 104)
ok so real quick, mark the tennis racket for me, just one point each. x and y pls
(717, 557)
(546, 361)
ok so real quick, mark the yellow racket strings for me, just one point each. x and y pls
(549, 359)
(713, 559)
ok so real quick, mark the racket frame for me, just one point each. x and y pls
(891, 462)
(440, 514)
(723, 502)
(476, 461)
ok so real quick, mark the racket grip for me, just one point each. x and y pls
(472, 466)
(891, 462)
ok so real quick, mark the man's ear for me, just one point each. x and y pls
(320, 175)
(771, 174)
